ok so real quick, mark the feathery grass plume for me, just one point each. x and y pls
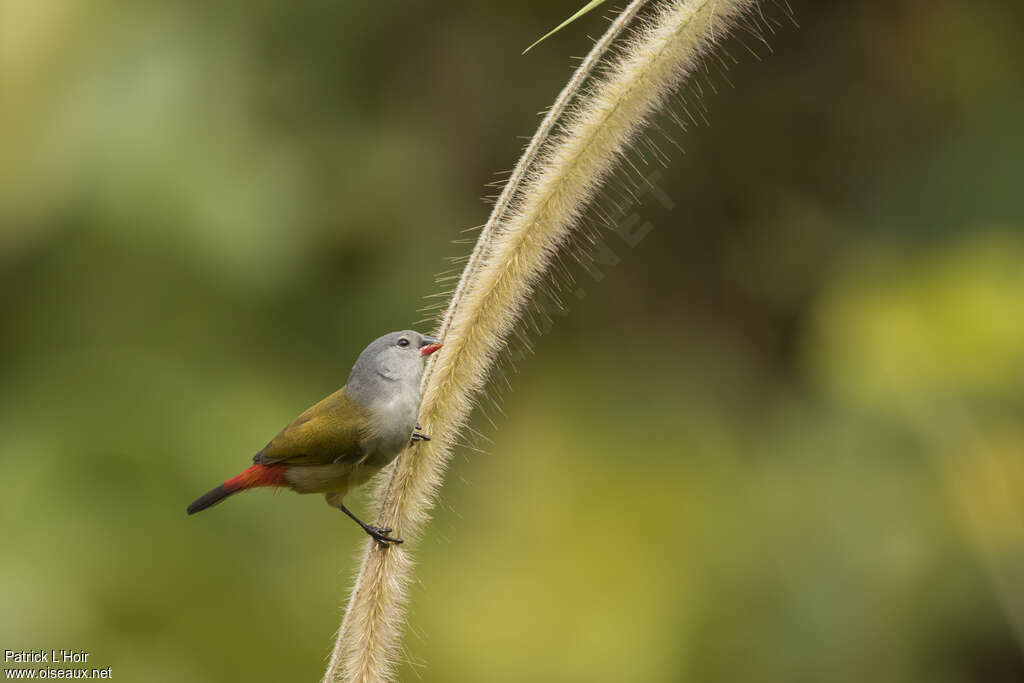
(559, 184)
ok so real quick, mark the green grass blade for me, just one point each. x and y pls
(586, 8)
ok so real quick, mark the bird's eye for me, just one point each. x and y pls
(403, 342)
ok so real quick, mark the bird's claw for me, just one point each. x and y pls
(380, 534)
(419, 436)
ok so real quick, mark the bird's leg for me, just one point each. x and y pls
(379, 534)
(417, 435)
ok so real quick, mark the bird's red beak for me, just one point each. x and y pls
(430, 348)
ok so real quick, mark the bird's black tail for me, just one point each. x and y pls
(209, 499)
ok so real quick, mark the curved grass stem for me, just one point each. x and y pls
(541, 206)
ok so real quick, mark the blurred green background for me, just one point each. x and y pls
(780, 440)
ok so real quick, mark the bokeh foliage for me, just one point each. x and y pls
(780, 440)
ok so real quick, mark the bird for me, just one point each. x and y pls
(342, 441)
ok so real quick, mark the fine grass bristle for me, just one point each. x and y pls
(583, 10)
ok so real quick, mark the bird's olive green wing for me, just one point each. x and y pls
(328, 432)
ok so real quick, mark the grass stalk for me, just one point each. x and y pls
(534, 221)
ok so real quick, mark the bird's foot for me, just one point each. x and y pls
(419, 436)
(380, 534)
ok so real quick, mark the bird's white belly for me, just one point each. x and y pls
(394, 423)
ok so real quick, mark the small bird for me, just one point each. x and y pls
(345, 439)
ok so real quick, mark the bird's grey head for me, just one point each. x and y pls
(392, 363)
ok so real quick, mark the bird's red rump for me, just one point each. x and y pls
(255, 476)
